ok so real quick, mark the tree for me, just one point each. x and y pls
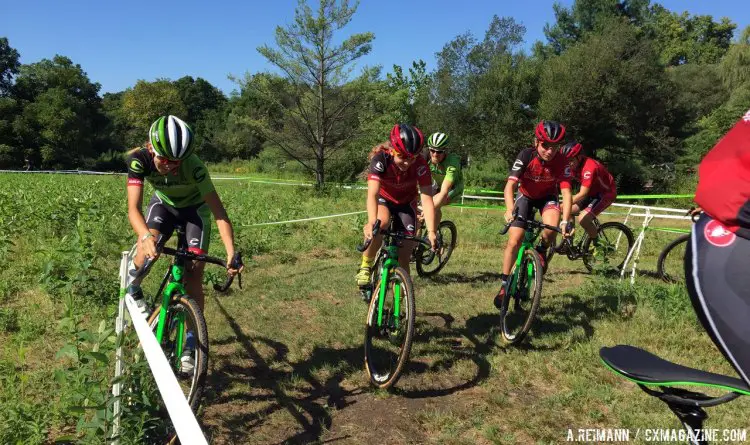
(205, 111)
(698, 88)
(572, 24)
(8, 66)
(735, 66)
(199, 97)
(612, 92)
(682, 38)
(61, 115)
(145, 102)
(317, 68)
(10, 150)
(477, 82)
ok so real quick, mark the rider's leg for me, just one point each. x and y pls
(160, 219)
(586, 220)
(140, 256)
(194, 282)
(551, 217)
(405, 220)
(194, 288)
(515, 239)
(369, 255)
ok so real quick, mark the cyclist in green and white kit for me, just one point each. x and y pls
(447, 180)
(183, 194)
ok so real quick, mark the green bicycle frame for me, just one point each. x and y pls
(391, 261)
(528, 243)
(174, 286)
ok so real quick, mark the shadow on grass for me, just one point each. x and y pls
(279, 384)
(556, 318)
(447, 341)
(259, 379)
(451, 278)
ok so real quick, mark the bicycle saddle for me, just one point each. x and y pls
(645, 368)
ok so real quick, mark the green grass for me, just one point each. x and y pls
(286, 359)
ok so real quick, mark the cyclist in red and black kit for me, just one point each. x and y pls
(716, 259)
(597, 190)
(396, 169)
(538, 172)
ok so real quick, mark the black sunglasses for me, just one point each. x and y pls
(434, 150)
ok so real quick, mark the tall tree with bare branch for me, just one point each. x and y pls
(320, 113)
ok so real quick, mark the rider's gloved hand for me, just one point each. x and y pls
(567, 228)
(234, 263)
(147, 245)
(367, 229)
(432, 237)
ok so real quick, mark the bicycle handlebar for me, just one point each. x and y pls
(235, 264)
(530, 223)
(376, 230)
(366, 244)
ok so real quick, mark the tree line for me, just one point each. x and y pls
(645, 89)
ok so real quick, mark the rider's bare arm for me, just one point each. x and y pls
(581, 195)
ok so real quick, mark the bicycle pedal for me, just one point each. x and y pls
(366, 293)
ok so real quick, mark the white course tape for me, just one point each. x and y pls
(182, 416)
(63, 172)
(483, 197)
(663, 209)
(303, 219)
(300, 184)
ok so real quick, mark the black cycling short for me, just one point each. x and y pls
(404, 216)
(525, 207)
(716, 272)
(196, 219)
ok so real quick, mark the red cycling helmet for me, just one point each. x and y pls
(571, 149)
(550, 131)
(407, 139)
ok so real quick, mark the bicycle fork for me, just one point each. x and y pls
(396, 298)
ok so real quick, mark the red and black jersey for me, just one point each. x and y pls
(724, 180)
(540, 178)
(399, 187)
(596, 177)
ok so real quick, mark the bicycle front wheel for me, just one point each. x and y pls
(670, 265)
(428, 262)
(522, 299)
(613, 244)
(389, 333)
(188, 361)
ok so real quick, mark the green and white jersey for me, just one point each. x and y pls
(187, 187)
(449, 169)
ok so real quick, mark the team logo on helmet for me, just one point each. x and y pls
(136, 166)
(717, 234)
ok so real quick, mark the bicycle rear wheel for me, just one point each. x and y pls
(614, 242)
(519, 308)
(388, 343)
(193, 381)
(670, 265)
(428, 262)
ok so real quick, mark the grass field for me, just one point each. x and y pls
(286, 359)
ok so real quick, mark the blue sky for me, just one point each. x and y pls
(118, 42)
